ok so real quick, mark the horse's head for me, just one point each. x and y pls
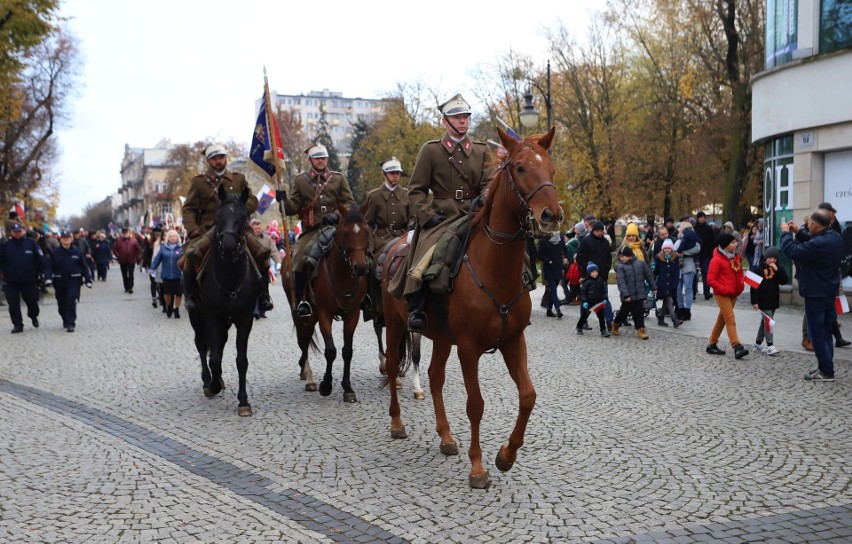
(530, 175)
(352, 238)
(231, 223)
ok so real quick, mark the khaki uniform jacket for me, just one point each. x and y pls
(304, 188)
(438, 170)
(202, 202)
(387, 214)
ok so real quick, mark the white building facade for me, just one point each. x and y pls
(801, 111)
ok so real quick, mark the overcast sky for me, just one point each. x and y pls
(188, 70)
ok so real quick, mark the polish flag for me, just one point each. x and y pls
(841, 304)
(752, 279)
(768, 324)
(597, 307)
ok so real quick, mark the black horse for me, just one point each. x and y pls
(228, 284)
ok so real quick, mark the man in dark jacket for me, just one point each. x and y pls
(70, 270)
(594, 248)
(21, 265)
(707, 240)
(126, 251)
(817, 255)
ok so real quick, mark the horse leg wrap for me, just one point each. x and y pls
(330, 354)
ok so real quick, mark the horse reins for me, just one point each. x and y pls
(344, 251)
(525, 231)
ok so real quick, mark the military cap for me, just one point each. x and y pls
(455, 106)
(317, 151)
(393, 165)
(16, 227)
(214, 150)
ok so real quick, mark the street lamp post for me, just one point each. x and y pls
(529, 116)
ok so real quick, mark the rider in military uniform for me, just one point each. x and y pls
(199, 220)
(315, 197)
(456, 170)
(387, 207)
(70, 270)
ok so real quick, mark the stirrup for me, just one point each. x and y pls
(367, 303)
(264, 302)
(304, 309)
(416, 321)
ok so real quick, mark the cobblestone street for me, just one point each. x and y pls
(107, 437)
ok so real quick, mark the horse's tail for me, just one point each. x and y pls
(405, 358)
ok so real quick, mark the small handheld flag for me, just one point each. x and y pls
(509, 130)
(841, 304)
(265, 198)
(752, 279)
(597, 307)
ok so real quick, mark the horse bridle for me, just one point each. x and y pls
(526, 219)
(526, 230)
(241, 245)
(344, 252)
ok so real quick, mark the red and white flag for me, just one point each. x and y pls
(597, 307)
(841, 304)
(752, 279)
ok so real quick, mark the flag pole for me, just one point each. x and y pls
(272, 134)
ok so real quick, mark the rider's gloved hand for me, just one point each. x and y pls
(436, 220)
(280, 195)
(331, 218)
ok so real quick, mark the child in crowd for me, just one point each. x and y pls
(592, 292)
(634, 278)
(668, 274)
(766, 297)
(573, 279)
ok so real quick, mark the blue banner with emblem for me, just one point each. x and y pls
(260, 142)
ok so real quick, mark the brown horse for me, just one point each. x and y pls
(522, 202)
(336, 292)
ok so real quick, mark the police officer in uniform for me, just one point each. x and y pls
(70, 270)
(456, 170)
(199, 220)
(21, 265)
(315, 197)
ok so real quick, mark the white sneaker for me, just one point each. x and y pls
(772, 350)
(758, 348)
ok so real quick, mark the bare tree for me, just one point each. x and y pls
(28, 145)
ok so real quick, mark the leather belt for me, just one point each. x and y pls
(458, 194)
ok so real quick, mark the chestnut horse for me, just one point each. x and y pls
(522, 202)
(336, 292)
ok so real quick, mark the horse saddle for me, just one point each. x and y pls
(394, 255)
(448, 254)
(383, 254)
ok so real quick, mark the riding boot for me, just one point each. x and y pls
(190, 291)
(416, 317)
(264, 301)
(303, 309)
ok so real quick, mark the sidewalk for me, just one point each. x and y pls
(788, 324)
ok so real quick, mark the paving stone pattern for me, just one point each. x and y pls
(107, 437)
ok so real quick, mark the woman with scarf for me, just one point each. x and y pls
(726, 279)
(552, 252)
(631, 240)
(687, 247)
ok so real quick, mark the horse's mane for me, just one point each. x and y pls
(353, 216)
